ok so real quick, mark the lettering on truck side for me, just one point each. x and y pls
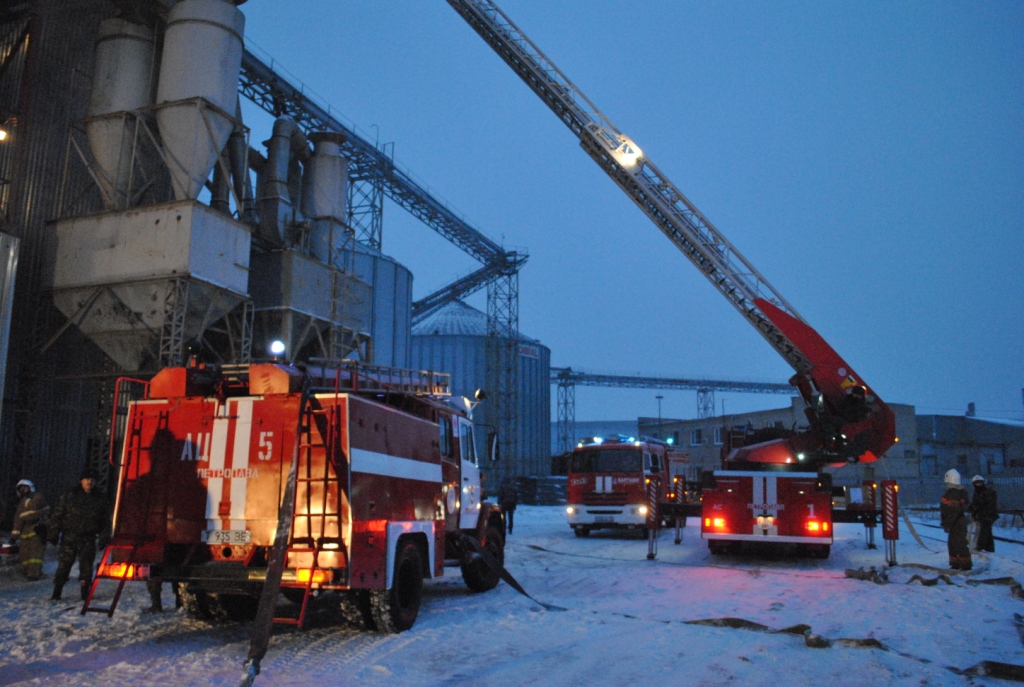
(227, 473)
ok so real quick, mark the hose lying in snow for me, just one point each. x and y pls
(1004, 671)
(493, 564)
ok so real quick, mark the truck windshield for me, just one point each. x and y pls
(607, 460)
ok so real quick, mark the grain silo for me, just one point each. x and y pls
(454, 340)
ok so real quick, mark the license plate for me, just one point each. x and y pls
(226, 537)
(603, 518)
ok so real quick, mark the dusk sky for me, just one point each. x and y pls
(866, 157)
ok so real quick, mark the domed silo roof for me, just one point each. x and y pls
(453, 339)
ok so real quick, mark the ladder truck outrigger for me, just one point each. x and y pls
(773, 490)
(240, 481)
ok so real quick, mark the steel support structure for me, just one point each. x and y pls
(374, 175)
(503, 369)
(566, 413)
(567, 379)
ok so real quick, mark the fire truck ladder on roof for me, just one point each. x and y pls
(317, 513)
(650, 189)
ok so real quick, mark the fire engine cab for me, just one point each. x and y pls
(372, 477)
(609, 480)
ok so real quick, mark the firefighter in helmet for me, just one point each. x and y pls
(81, 516)
(30, 529)
(953, 511)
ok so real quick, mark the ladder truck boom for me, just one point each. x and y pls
(848, 421)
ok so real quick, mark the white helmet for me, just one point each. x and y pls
(977, 478)
(25, 483)
(952, 477)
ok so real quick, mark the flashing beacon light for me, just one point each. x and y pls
(276, 348)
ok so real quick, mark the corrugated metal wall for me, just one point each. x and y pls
(47, 419)
(464, 356)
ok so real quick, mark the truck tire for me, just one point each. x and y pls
(196, 602)
(479, 576)
(581, 531)
(235, 608)
(395, 610)
(820, 550)
(356, 609)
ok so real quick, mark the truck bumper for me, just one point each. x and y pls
(598, 517)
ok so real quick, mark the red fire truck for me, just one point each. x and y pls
(608, 480)
(372, 479)
(772, 488)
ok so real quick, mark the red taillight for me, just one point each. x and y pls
(817, 526)
(715, 523)
(319, 575)
(124, 571)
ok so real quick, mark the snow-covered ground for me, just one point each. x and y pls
(626, 620)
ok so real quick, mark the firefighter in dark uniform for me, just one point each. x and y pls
(953, 512)
(80, 517)
(508, 499)
(30, 529)
(985, 511)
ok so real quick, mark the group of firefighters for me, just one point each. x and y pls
(957, 513)
(81, 522)
(77, 525)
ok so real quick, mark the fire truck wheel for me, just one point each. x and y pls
(356, 609)
(395, 609)
(196, 602)
(233, 607)
(820, 551)
(479, 576)
(581, 531)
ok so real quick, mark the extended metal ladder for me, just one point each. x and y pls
(124, 569)
(317, 509)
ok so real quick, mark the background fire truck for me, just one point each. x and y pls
(609, 480)
(772, 487)
(372, 480)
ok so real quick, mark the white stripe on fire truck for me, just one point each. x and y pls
(373, 463)
(217, 455)
(240, 462)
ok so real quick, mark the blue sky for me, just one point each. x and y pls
(866, 157)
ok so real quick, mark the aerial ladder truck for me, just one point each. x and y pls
(770, 489)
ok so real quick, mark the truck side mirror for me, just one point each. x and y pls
(492, 446)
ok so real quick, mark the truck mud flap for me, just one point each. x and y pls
(493, 564)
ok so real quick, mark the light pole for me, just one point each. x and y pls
(659, 397)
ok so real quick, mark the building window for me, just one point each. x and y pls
(718, 436)
(992, 461)
(675, 437)
(696, 437)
